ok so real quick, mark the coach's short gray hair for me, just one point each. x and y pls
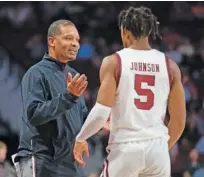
(54, 28)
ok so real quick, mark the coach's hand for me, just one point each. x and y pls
(76, 85)
(79, 149)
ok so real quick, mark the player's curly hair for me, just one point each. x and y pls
(140, 21)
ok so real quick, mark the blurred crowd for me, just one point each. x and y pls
(23, 42)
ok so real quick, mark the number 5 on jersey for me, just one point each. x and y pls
(150, 80)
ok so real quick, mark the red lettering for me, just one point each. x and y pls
(157, 67)
(149, 67)
(140, 66)
(150, 80)
(132, 66)
(153, 68)
(144, 67)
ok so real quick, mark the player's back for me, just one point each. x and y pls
(142, 94)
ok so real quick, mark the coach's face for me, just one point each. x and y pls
(67, 43)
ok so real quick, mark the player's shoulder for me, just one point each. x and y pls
(173, 65)
(109, 60)
(174, 69)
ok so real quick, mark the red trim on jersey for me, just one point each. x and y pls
(102, 170)
(169, 71)
(105, 168)
(107, 175)
(118, 68)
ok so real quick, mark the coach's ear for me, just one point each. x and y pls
(51, 41)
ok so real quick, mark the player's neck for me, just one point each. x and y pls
(141, 44)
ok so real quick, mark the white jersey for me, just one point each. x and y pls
(142, 94)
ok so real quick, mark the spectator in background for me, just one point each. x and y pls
(6, 170)
(52, 8)
(186, 48)
(101, 47)
(174, 151)
(202, 56)
(196, 123)
(200, 146)
(193, 164)
(36, 47)
(189, 87)
(181, 11)
(115, 47)
(198, 10)
(181, 158)
(173, 53)
(96, 62)
(199, 173)
(86, 49)
(20, 14)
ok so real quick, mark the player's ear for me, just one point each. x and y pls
(123, 30)
(129, 35)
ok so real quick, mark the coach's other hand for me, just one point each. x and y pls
(77, 84)
(79, 149)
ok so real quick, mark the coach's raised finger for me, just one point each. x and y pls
(81, 80)
(74, 80)
(83, 87)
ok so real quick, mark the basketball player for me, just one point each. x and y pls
(138, 83)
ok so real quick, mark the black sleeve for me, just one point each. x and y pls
(39, 110)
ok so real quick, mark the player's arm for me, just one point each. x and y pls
(176, 106)
(105, 100)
